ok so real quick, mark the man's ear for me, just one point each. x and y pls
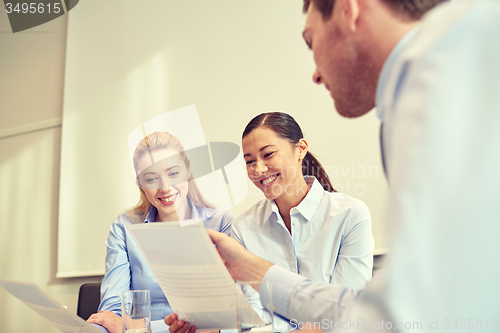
(303, 147)
(347, 12)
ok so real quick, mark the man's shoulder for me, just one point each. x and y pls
(446, 21)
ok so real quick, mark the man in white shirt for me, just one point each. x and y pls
(437, 91)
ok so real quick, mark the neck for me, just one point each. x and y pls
(291, 198)
(380, 31)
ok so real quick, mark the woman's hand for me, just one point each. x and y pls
(178, 326)
(109, 320)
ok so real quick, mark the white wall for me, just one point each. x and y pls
(31, 92)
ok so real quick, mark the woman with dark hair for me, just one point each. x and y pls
(303, 225)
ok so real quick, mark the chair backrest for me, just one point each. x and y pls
(378, 262)
(89, 298)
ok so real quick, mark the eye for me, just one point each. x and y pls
(250, 162)
(151, 179)
(267, 155)
(173, 174)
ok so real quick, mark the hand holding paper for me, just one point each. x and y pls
(241, 264)
(190, 273)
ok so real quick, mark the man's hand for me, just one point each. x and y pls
(108, 320)
(241, 264)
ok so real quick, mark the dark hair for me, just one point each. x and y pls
(407, 9)
(287, 128)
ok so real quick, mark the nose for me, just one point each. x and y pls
(164, 178)
(317, 77)
(164, 183)
(260, 168)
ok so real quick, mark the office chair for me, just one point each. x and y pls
(89, 298)
(378, 262)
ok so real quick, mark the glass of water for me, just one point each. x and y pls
(136, 311)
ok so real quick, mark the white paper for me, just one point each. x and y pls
(31, 295)
(190, 272)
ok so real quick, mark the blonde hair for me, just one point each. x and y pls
(153, 142)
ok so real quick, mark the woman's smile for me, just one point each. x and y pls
(266, 182)
(168, 200)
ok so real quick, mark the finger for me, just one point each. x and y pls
(215, 236)
(192, 329)
(177, 326)
(184, 328)
(169, 320)
(93, 318)
(97, 320)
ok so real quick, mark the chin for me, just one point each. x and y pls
(272, 195)
(352, 110)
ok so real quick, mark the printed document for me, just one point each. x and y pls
(31, 295)
(191, 273)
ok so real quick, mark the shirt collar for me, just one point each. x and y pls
(150, 217)
(387, 69)
(306, 207)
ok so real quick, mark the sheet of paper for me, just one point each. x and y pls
(31, 295)
(190, 272)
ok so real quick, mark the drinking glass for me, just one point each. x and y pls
(136, 311)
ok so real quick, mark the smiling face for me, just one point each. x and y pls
(342, 65)
(273, 163)
(165, 183)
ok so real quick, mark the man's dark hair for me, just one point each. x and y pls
(406, 9)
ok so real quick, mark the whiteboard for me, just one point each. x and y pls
(130, 61)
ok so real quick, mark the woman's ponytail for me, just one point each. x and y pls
(312, 167)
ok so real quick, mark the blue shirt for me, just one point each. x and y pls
(127, 269)
(439, 100)
(331, 239)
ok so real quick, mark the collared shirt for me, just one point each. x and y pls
(330, 241)
(127, 269)
(440, 105)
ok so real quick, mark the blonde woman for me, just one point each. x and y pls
(168, 193)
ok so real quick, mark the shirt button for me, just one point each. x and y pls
(294, 223)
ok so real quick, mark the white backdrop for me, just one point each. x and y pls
(129, 61)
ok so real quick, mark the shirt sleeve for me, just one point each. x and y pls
(102, 328)
(117, 273)
(301, 300)
(355, 258)
(159, 326)
(226, 223)
(236, 233)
